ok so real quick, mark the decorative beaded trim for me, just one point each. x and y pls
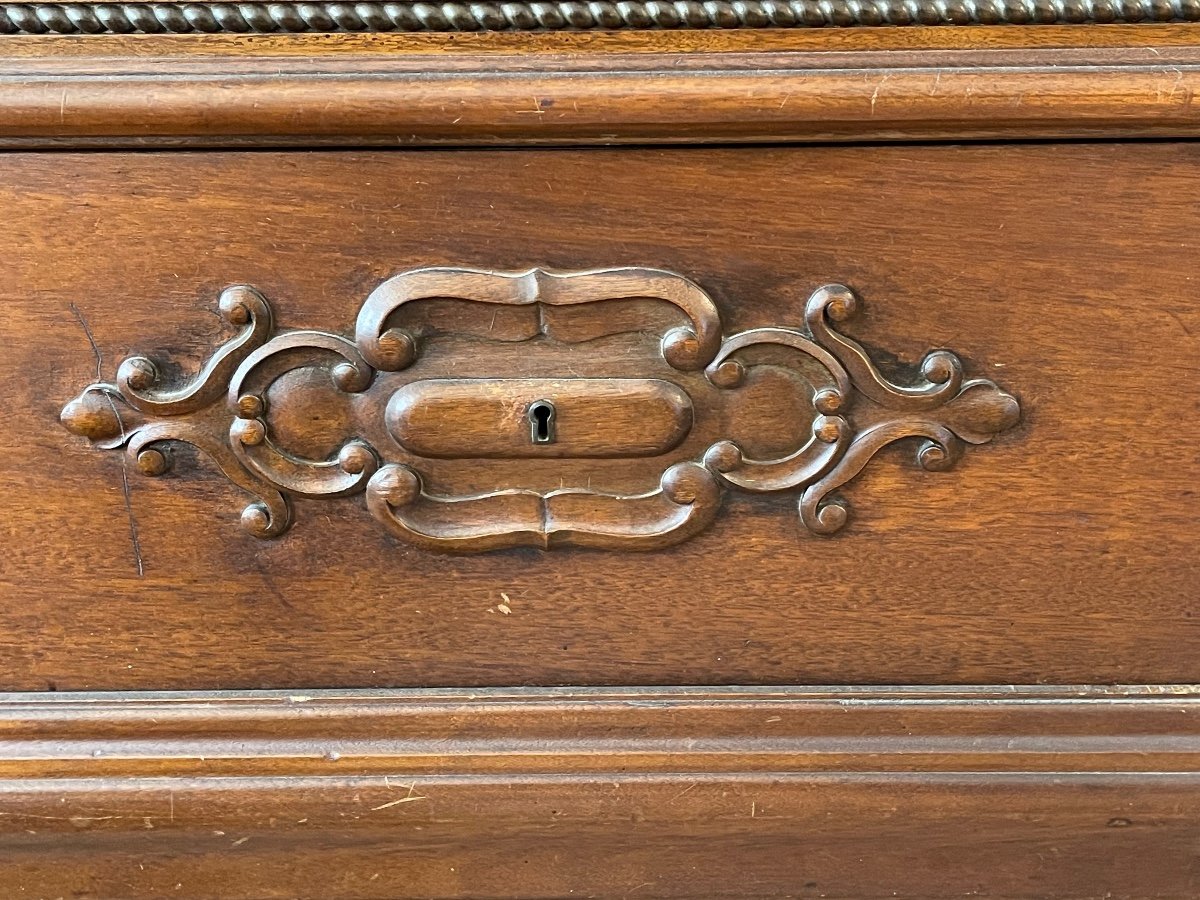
(567, 15)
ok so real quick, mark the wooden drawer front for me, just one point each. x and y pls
(1060, 547)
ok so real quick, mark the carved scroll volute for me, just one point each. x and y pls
(940, 409)
(426, 404)
(250, 433)
(146, 417)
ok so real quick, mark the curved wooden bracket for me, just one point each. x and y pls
(685, 348)
(684, 504)
(651, 407)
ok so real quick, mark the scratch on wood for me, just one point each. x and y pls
(73, 819)
(133, 529)
(407, 798)
(125, 491)
(1179, 321)
(269, 582)
(396, 802)
(91, 340)
(681, 793)
(875, 93)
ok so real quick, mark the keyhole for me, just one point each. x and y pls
(541, 421)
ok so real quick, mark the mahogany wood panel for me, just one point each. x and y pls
(1064, 551)
(675, 793)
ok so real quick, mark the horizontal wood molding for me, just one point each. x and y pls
(239, 96)
(545, 792)
(599, 731)
(759, 40)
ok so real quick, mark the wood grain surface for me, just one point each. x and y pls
(534, 43)
(918, 793)
(478, 418)
(1064, 551)
(1103, 81)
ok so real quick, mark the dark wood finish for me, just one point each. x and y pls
(163, 301)
(1063, 551)
(487, 92)
(674, 793)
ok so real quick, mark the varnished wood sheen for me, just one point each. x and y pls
(1063, 38)
(498, 417)
(675, 793)
(1064, 551)
(350, 279)
(589, 410)
(596, 95)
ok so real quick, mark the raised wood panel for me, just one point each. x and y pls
(1063, 551)
(675, 793)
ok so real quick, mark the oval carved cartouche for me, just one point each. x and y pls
(488, 418)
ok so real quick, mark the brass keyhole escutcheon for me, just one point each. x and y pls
(541, 421)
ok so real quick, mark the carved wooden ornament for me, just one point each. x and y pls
(480, 410)
(258, 17)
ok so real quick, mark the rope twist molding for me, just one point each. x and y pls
(567, 15)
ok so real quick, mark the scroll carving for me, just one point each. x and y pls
(450, 455)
